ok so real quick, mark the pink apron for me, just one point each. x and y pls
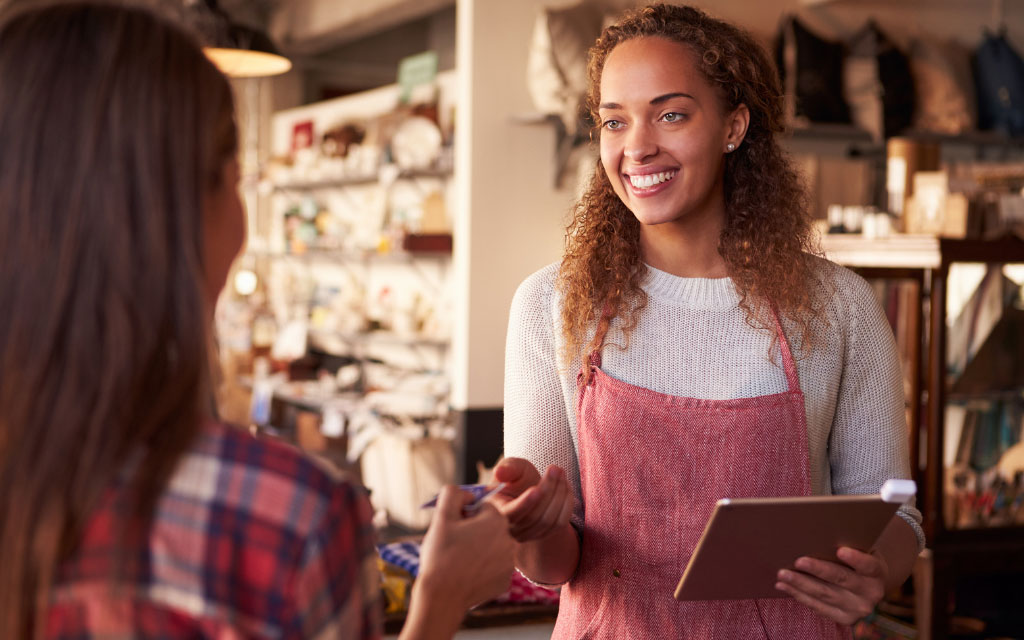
(652, 467)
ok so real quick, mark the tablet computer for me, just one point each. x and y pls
(746, 541)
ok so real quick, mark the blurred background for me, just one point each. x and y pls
(407, 163)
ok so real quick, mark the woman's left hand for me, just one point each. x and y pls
(843, 591)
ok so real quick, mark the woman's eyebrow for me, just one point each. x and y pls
(669, 96)
(658, 100)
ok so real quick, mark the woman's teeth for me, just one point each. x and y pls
(651, 179)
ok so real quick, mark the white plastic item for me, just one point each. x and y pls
(333, 423)
(898, 491)
(403, 473)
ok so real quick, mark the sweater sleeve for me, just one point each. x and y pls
(869, 441)
(538, 426)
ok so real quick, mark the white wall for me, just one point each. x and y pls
(504, 181)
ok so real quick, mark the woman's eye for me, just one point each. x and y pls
(674, 117)
(612, 124)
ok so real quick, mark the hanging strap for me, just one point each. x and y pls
(788, 363)
(593, 359)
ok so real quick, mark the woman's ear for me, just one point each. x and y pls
(738, 121)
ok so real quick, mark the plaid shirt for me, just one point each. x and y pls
(250, 539)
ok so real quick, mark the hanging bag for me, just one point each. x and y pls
(878, 83)
(999, 77)
(811, 69)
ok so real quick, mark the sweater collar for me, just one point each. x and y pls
(713, 294)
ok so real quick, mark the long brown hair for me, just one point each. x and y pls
(113, 127)
(766, 240)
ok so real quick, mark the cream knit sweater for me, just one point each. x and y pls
(693, 340)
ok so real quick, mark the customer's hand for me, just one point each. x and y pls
(467, 560)
(535, 506)
(843, 591)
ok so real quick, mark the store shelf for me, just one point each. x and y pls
(953, 552)
(311, 401)
(924, 4)
(352, 181)
(820, 131)
(333, 338)
(350, 256)
(955, 397)
(892, 252)
(514, 620)
(995, 538)
(853, 142)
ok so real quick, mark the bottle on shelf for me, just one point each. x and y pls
(264, 330)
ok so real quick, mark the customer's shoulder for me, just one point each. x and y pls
(262, 475)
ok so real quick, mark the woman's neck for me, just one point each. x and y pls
(684, 248)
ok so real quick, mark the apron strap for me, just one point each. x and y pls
(788, 363)
(593, 359)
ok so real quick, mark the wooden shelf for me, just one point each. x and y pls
(917, 251)
(952, 552)
(491, 615)
(859, 142)
(998, 538)
(890, 252)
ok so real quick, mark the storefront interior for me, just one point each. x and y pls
(421, 157)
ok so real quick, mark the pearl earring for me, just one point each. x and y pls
(730, 147)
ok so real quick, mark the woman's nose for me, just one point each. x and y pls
(640, 144)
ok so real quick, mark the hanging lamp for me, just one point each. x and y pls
(237, 50)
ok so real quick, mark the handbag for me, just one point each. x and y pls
(879, 85)
(999, 78)
(811, 69)
(944, 86)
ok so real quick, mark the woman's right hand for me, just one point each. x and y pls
(535, 506)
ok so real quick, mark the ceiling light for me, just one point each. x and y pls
(237, 50)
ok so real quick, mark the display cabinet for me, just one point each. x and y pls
(970, 333)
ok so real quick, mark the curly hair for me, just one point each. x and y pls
(766, 240)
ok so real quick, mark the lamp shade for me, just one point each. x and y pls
(237, 50)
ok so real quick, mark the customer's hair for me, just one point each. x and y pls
(113, 128)
(766, 240)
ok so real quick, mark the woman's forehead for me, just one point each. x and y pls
(645, 68)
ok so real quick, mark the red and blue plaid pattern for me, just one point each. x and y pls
(251, 539)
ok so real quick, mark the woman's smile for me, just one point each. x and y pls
(648, 184)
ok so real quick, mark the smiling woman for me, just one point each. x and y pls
(741, 364)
